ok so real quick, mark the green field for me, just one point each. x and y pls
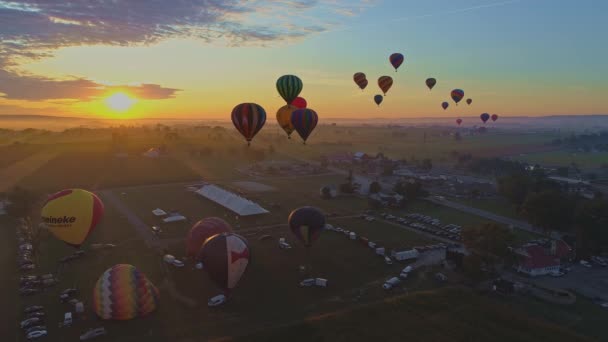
(584, 160)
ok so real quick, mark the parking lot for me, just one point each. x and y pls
(588, 282)
(424, 224)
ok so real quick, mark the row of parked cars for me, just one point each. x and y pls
(25, 250)
(33, 323)
(426, 224)
(32, 284)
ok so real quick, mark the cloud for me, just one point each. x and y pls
(34, 29)
(36, 88)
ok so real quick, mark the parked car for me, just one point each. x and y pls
(33, 308)
(178, 263)
(34, 328)
(390, 283)
(307, 282)
(47, 276)
(156, 229)
(67, 294)
(92, 333)
(557, 274)
(598, 260)
(36, 334)
(26, 323)
(217, 300)
(38, 314)
(585, 263)
(28, 291)
(28, 278)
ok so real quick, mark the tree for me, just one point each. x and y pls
(325, 192)
(374, 188)
(562, 171)
(591, 224)
(550, 210)
(21, 202)
(515, 187)
(472, 265)
(489, 240)
(413, 190)
(388, 168)
(347, 188)
(427, 164)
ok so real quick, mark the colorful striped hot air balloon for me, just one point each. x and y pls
(396, 59)
(71, 215)
(385, 83)
(484, 117)
(304, 121)
(289, 87)
(226, 257)
(203, 230)
(248, 118)
(457, 95)
(306, 223)
(360, 79)
(284, 119)
(123, 292)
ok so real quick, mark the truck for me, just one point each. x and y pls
(390, 283)
(405, 255)
(321, 282)
(67, 319)
(380, 250)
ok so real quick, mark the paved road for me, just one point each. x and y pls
(488, 215)
(142, 228)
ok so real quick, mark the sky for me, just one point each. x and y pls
(199, 59)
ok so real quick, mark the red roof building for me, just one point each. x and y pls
(540, 259)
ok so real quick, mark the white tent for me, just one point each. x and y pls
(241, 206)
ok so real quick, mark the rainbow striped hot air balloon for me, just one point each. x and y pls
(71, 215)
(123, 292)
(304, 121)
(396, 59)
(306, 223)
(248, 119)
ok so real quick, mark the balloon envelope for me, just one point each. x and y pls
(304, 121)
(226, 257)
(484, 117)
(396, 59)
(360, 79)
(457, 95)
(458, 121)
(385, 83)
(248, 119)
(378, 99)
(299, 102)
(444, 105)
(289, 87)
(202, 230)
(469, 101)
(284, 118)
(430, 82)
(306, 223)
(494, 117)
(71, 215)
(123, 292)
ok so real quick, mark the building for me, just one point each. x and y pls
(541, 258)
(237, 204)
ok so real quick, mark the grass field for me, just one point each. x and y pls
(441, 315)
(588, 160)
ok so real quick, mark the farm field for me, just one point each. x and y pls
(584, 160)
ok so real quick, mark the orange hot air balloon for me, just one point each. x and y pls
(284, 119)
(71, 215)
(385, 83)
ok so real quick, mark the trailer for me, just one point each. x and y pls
(380, 250)
(405, 255)
(321, 282)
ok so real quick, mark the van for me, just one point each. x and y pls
(67, 319)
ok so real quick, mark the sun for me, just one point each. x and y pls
(120, 102)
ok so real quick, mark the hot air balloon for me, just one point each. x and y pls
(71, 215)
(306, 223)
(123, 292)
(304, 121)
(444, 105)
(248, 118)
(430, 82)
(494, 117)
(385, 83)
(458, 121)
(378, 99)
(484, 117)
(396, 59)
(226, 257)
(203, 230)
(284, 119)
(299, 102)
(289, 87)
(457, 95)
(360, 79)
(469, 101)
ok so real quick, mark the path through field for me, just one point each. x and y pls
(12, 174)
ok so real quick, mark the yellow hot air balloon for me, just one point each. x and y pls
(284, 119)
(72, 214)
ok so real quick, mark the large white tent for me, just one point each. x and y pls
(241, 206)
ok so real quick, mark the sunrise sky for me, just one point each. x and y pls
(198, 59)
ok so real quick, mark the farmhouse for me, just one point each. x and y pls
(237, 204)
(540, 259)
